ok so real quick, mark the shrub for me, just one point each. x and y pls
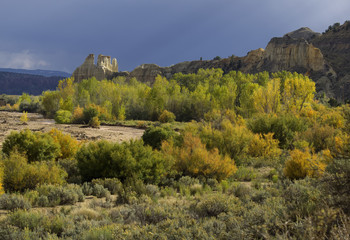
(230, 139)
(302, 164)
(13, 201)
(70, 166)
(264, 146)
(24, 117)
(63, 116)
(60, 195)
(284, 127)
(68, 145)
(103, 232)
(89, 113)
(35, 145)
(78, 115)
(86, 213)
(99, 191)
(112, 184)
(154, 136)
(166, 116)
(40, 224)
(320, 137)
(1, 177)
(193, 159)
(103, 159)
(245, 174)
(336, 181)
(20, 175)
(94, 122)
(212, 206)
(87, 188)
(242, 191)
(302, 199)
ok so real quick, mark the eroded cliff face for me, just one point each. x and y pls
(104, 68)
(335, 46)
(291, 54)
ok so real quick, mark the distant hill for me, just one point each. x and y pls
(16, 83)
(45, 73)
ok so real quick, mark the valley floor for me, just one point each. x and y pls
(10, 121)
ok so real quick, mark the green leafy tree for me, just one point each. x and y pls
(35, 145)
(103, 159)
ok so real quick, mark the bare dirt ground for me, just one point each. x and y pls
(10, 121)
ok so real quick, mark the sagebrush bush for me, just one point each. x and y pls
(245, 174)
(13, 201)
(37, 222)
(112, 184)
(99, 191)
(212, 206)
(61, 195)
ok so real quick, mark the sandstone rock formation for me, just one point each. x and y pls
(303, 33)
(103, 70)
(291, 54)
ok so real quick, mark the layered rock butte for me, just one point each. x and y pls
(325, 58)
(103, 70)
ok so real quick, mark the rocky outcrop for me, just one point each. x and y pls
(103, 70)
(291, 54)
(303, 33)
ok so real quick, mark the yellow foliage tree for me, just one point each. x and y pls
(267, 99)
(20, 175)
(303, 163)
(24, 117)
(69, 146)
(264, 146)
(297, 90)
(78, 115)
(193, 159)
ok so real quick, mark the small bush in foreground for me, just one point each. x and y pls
(13, 201)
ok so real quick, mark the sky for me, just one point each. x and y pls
(59, 34)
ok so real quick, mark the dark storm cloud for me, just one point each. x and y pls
(58, 35)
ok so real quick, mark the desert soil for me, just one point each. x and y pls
(10, 121)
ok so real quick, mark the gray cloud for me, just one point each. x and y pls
(60, 34)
